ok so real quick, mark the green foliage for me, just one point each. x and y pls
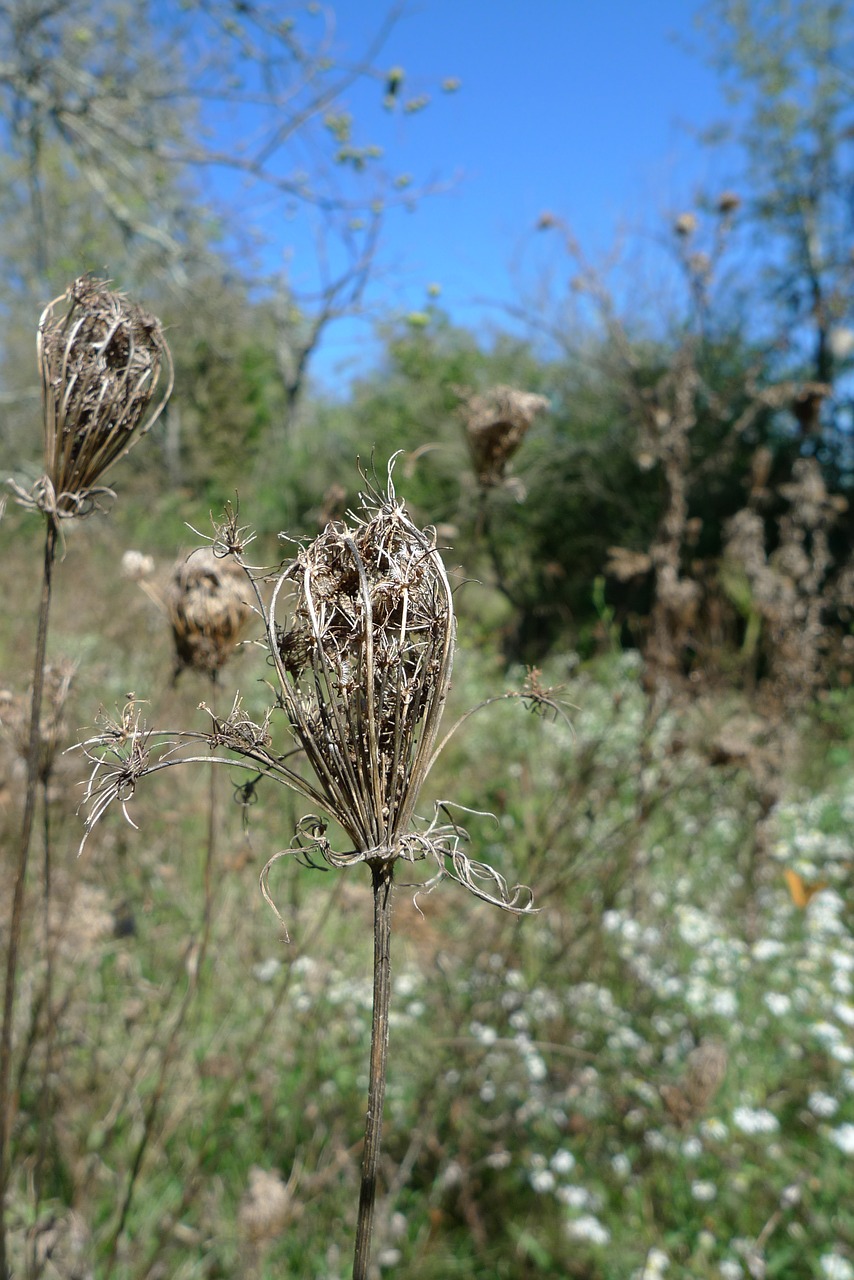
(788, 71)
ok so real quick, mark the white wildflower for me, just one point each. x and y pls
(778, 1003)
(657, 1262)
(563, 1161)
(843, 1138)
(755, 1120)
(703, 1191)
(768, 949)
(822, 1104)
(835, 1267)
(542, 1180)
(589, 1228)
(266, 970)
(724, 1004)
(574, 1197)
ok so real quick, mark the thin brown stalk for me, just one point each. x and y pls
(17, 910)
(382, 873)
(45, 1109)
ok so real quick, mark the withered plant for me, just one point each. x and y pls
(208, 611)
(496, 422)
(360, 633)
(106, 374)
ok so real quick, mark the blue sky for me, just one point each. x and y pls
(588, 110)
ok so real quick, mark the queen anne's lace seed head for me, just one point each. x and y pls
(360, 633)
(364, 662)
(207, 604)
(101, 358)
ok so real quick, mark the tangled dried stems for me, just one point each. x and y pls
(496, 422)
(207, 609)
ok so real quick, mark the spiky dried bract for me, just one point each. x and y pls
(208, 610)
(364, 663)
(120, 754)
(101, 359)
(496, 423)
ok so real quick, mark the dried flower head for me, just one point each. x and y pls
(208, 610)
(685, 225)
(705, 1073)
(360, 631)
(15, 710)
(265, 1206)
(496, 423)
(364, 662)
(728, 203)
(101, 358)
(137, 566)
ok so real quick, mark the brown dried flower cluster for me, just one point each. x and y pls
(265, 1206)
(208, 611)
(364, 665)
(496, 423)
(789, 588)
(101, 358)
(705, 1073)
(360, 631)
(15, 715)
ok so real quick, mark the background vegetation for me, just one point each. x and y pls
(655, 1076)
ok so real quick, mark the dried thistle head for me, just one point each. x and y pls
(101, 358)
(208, 610)
(496, 423)
(364, 662)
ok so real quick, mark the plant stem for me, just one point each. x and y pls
(46, 1100)
(382, 873)
(17, 912)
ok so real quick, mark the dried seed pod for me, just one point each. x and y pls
(208, 610)
(496, 423)
(101, 358)
(364, 665)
